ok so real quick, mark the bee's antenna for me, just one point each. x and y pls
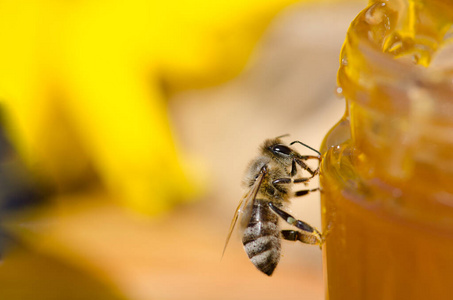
(281, 136)
(306, 146)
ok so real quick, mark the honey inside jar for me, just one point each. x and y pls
(387, 169)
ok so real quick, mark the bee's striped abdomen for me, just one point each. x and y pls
(262, 237)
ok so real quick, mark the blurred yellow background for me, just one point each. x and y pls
(113, 112)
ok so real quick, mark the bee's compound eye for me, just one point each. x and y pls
(281, 149)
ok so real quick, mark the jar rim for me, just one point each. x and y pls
(370, 72)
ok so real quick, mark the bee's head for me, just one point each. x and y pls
(281, 150)
(276, 149)
(285, 156)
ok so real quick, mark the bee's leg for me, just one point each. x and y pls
(299, 159)
(302, 236)
(304, 166)
(290, 180)
(305, 157)
(282, 181)
(307, 235)
(298, 180)
(302, 180)
(293, 168)
(305, 192)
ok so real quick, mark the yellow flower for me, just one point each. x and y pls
(81, 86)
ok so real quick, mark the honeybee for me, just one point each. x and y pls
(269, 180)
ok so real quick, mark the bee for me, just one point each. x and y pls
(269, 180)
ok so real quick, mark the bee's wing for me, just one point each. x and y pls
(245, 204)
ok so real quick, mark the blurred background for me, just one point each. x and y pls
(125, 133)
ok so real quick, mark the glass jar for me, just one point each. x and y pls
(387, 169)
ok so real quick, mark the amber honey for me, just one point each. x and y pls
(387, 169)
